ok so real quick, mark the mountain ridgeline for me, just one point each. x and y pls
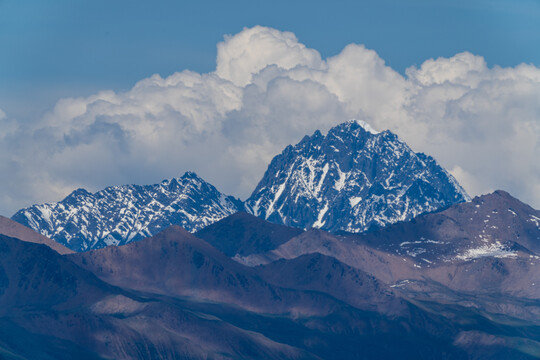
(352, 179)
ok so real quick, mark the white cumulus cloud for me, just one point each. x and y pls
(241, 56)
(268, 91)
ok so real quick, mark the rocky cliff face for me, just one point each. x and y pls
(351, 179)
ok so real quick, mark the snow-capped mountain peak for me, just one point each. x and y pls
(353, 178)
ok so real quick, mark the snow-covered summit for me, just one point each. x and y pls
(364, 125)
(118, 215)
(351, 179)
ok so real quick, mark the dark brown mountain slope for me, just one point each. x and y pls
(489, 244)
(11, 228)
(35, 275)
(481, 254)
(50, 308)
(176, 263)
(384, 266)
(325, 274)
(99, 320)
(246, 234)
(490, 225)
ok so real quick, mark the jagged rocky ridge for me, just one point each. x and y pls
(351, 179)
(121, 214)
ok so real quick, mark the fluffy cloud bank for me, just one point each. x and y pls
(269, 90)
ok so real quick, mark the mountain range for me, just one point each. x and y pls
(352, 179)
(352, 246)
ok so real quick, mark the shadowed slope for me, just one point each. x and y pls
(265, 321)
(39, 288)
(176, 263)
(50, 308)
(386, 267)
(35, 275)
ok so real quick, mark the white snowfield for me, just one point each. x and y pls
(495, 249)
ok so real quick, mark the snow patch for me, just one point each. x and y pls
(536, 220)
(355, 200)
(340, 183)
(400, 284)
(319, 223)
(366, 126)
(420, 242)
(495, 249)
(276, 198)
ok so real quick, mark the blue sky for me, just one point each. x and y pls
(57, 48)
(240, 80)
